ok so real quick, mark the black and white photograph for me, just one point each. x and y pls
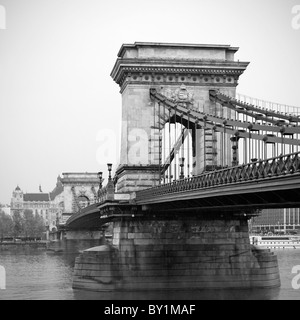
(150, 152)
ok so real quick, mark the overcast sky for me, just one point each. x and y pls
(56, 94)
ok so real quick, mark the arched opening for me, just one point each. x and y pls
(177, 149)
(188, 145)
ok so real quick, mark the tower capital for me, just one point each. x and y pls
(175, 63)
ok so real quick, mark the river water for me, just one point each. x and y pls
(34, 274)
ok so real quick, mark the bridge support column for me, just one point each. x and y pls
(182, 253)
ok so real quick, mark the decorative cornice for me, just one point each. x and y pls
(203, 80)
(151, 71)
(177, 76)
(153, 63)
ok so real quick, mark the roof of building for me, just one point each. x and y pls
(36, 197)
(17, 188)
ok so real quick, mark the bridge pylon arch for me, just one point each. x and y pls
(185, 73)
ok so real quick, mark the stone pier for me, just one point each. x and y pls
(191, 253)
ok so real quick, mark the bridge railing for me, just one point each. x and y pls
(102, 195)
(268, 104)
(107, 193)
(273, 167)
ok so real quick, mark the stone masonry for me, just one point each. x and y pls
(167, 67)
(177, 254)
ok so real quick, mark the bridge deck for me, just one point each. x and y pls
(271, 183)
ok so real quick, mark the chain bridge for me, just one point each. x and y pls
(196, 164)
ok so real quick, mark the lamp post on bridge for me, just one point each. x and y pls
(235, 149)
(181, 168)
(100, 174)
(110, 184)
(109, 167)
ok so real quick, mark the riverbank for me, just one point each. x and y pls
(26, 244)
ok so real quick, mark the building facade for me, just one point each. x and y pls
(277, 220)
(73, 192)
(39, 203)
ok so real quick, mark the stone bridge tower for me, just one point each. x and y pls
(79, 191)
(167, 68)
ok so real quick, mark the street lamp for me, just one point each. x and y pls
(109, 166)
(235, 151)
(110, 185)
(99, 174)
(181, 168)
